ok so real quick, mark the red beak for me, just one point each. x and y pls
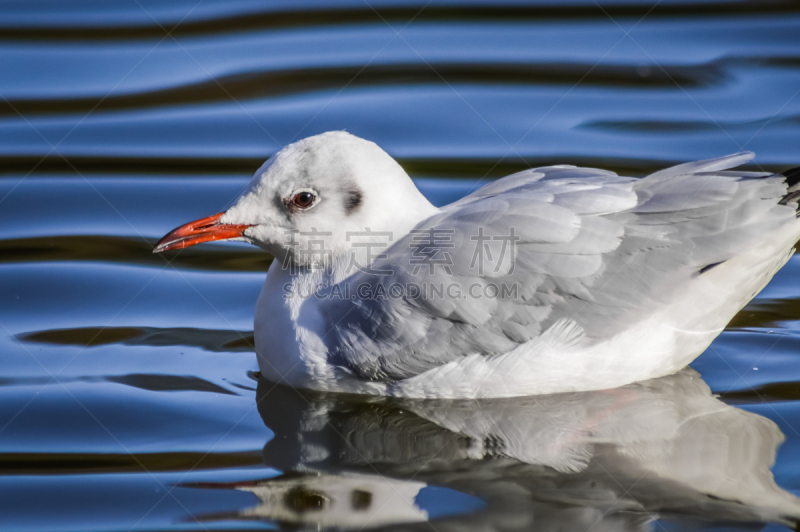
(199, 231)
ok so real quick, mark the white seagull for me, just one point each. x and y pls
(549, 280)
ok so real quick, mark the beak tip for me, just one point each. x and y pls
(168, 246)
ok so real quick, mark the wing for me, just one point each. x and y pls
(500, 266)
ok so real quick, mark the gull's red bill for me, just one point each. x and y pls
(199, 231)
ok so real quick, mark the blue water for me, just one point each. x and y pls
(128, 398)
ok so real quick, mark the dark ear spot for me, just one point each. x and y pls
(352, 200)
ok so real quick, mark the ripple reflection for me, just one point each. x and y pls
(660, 449)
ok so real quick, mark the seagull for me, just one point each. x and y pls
(553, 279)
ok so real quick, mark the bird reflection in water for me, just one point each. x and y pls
(605, 460)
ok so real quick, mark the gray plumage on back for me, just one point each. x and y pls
(580, 244)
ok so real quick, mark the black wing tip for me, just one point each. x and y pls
(792, 176)
(792, 188)
(708, 267)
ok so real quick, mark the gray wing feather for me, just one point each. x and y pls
(592, 246)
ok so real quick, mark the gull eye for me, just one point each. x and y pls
(303, 200)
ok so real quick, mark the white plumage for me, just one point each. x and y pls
(598, 280)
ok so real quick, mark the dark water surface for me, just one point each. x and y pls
(128, 399)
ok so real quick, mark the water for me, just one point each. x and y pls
(128, 394)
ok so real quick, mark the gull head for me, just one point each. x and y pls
(316, 200)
